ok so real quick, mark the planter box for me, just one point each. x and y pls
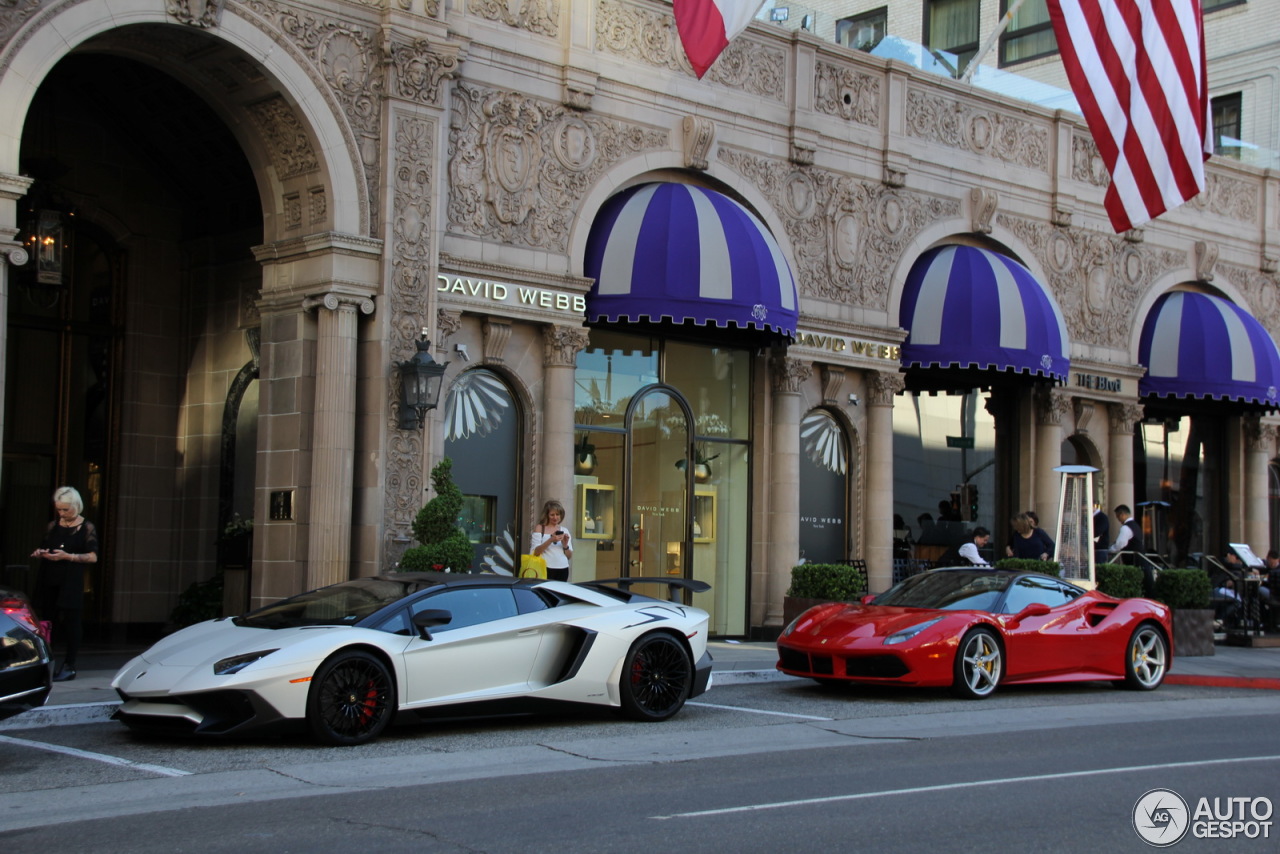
(1192, 631)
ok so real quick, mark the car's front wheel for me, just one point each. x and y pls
(656, 678)
(1146, 658)
(979, 665)
(352, 699)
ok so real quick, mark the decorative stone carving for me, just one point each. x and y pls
(846, 235)
(1228, 197)
(788, 372)
(883, 387)
(832, 382)
(418, 69)
(944, 120)
(519, 168)
(1135, 235)
(204, 14)
(699, 133)
(497, 333)
(1206, 258)
(579, 88)
(285, 137)
(646, 34)
(1084, 414)
(1258, 437)
(1086, 163)
(536, 16)
(447, 325)
(1052, 404)
(1123, 417)
(335, 301)
(562, 344)
(848, 93)
(1261, 289)
(982, 207)
(292, 211)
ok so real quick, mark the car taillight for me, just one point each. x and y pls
(19, 610)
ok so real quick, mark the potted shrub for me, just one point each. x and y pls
(444, 545)
(816, 583)
(1119, 580)
(1025, 564)
(1187, 592)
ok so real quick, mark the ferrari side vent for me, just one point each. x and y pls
(876, 667)
(1099, 611)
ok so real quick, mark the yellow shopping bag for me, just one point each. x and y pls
(532, 566)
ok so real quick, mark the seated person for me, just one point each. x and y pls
(1228, 609)
(978, 540)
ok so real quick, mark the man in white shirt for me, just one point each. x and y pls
(969, 551)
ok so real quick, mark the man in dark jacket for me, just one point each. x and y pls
(1129, 538)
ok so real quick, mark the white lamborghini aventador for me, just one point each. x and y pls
(345, 659)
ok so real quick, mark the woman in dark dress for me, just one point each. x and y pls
(1029, 541)
(69, 543)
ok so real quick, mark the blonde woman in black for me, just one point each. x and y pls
(70, 543)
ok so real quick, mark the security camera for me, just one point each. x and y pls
(461, 350)
(853, 398)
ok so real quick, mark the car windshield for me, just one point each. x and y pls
(959, 590)
(337, 605)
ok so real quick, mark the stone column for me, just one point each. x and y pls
(561, 345)
(12, 188)
(333, 439)
(882, 388)
(784, 482)
(1123, 417)
(1259, 439)
(1052, 405)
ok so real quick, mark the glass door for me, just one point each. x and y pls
(658, 539)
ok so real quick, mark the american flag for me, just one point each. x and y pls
(1137, 68)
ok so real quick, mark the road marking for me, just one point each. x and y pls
(759, 711)
(969, 785)
(96, 757)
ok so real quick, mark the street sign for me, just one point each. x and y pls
(960, 442)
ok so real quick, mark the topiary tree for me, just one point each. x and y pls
(444, 544)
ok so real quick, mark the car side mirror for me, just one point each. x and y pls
(1035, 609)
(868, 599)
(423, 621)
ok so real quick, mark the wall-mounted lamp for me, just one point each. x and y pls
(420, 380)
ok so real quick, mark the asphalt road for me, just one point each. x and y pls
(766, 767)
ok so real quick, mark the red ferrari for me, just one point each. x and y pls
(974, 629)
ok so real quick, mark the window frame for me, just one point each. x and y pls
(879, 20)
(1010, 35)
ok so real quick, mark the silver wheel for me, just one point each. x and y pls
(1146, 659)
(979, 665)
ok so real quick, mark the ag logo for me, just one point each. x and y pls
(1161, 817)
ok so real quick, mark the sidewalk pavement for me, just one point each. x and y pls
(89, 697)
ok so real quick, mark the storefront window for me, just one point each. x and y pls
(1177, 482)
(684, 511)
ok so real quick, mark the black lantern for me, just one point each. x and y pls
(420, 381)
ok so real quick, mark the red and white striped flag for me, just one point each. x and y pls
(707, 26)
(1137, 68)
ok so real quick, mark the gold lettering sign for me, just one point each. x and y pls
(483, 290)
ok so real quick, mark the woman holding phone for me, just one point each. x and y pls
(551, 541)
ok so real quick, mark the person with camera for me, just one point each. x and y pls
(552, 542)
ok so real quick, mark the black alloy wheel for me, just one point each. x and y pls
(352, 699)
(656, 678)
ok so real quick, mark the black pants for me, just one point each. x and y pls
(557, 573)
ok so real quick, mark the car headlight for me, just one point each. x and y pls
(236, 663)
(908, 633)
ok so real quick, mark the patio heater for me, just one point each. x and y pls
(1073, 549)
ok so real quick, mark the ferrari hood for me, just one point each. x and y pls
(864, 621)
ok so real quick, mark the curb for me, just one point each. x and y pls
(1224, 681)
(78, 713)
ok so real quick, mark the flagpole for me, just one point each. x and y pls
(991, 40)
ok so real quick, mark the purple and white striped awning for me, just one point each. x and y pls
(965, 307)
(1195, 345)
(685, 254)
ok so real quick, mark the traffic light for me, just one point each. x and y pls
(969, 502)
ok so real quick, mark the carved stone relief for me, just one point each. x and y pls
(883, 386)
(1123, 417)
(699, 133)
(1262, 290)
(788, 372)
(536, 16)
(285, 137)
(847, 93)
(1052, 405)
(1096, 278)
(646, 34)
(519, 168)
(562, 344)
(418, 68)
(957, 124)
(196, 13)
(846, 234)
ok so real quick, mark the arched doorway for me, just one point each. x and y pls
(119, 378)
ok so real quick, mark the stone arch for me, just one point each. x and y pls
(275, 102)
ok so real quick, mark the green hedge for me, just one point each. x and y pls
(1119, 580)
(1183, 588)
(1023, 564)
(833, 581)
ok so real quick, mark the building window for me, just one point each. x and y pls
(1215, 5)
(863, 32)
(1226, 125)
(1029, 34)
(951, 32)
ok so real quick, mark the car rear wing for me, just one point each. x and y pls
(674, 584)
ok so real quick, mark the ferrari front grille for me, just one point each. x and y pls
(876, 667)
(791, 659)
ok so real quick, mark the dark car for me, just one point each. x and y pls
(26, 667)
